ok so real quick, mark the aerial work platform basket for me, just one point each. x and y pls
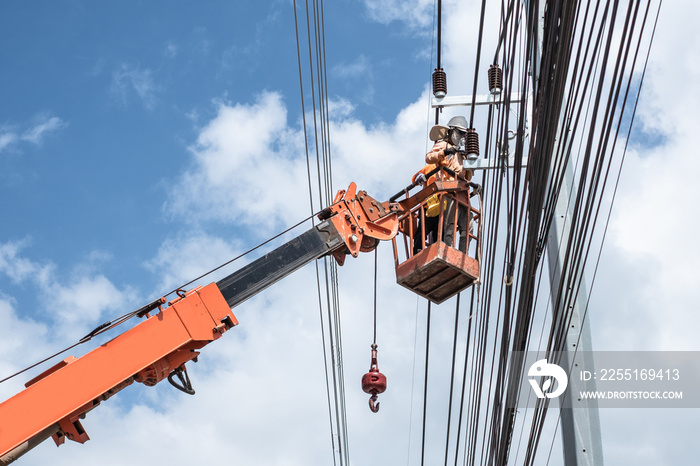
(431, 263)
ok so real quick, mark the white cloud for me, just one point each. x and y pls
(668, 103)
(653, 225)
(239, 157)
(15, 332)
(20, 269)
(397, 148)
(188, 255)
(646, 296)
(354, 69)
(352, 72)
(74, 305)
(82, 303)
(171, 50)
(38, 132)
(7, 138)
(130, 79)
(416, 14)
(249, 165)
(35, 133)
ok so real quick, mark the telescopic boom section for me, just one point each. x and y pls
(354, 223)
(54, 402)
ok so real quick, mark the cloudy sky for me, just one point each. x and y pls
(142, 144)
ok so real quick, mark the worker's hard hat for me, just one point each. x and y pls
(458, 122)
(438, 132)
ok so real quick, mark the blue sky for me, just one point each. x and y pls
(102, 104)
(143, 143)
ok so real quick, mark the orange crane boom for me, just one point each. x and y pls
(147, 353)
(54, 402)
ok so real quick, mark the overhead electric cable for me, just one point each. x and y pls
(439, 50)
(627, 139)
(476, 66)
(452, 377)
(331, 339)
(464, 379)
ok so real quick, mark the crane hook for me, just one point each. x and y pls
(374, 382)
(373, 403)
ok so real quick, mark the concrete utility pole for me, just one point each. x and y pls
(580, 426)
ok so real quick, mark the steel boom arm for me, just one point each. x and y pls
(54, 402)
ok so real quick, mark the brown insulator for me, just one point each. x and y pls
(495, 79)
(439, 83)
(472, 143)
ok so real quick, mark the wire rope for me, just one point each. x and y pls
(413, 379)
(425, 384)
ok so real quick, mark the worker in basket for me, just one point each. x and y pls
(431, 212)
(448, 151)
